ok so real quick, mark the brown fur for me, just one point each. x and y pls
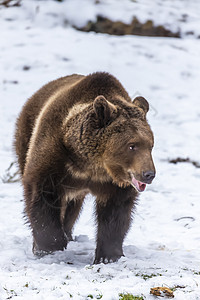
(72, 137)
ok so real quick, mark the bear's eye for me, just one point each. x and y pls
(132, 147)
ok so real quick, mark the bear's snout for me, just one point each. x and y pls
(148, 176)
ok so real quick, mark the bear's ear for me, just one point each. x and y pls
(141, 103)
(103, 110)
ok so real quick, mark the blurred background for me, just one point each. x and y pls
(153, 48)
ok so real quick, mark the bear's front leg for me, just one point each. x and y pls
(114, 216)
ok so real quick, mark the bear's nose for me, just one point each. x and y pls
(148, 176)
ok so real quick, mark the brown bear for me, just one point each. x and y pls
(78, 135)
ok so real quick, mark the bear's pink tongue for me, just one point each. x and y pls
(140, 186)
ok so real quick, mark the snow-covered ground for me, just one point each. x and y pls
(162, 247)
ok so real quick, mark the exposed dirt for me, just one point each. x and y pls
(104, 25)
(9, 3)
(182, 160)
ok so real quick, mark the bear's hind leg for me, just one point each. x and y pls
(114, 217)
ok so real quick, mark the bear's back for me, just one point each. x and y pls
(31, 110)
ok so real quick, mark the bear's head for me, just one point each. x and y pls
(114, 136)
(127, 156)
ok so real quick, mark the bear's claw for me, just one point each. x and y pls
(106, 260)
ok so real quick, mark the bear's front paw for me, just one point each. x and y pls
(100, 258)
(107, 252)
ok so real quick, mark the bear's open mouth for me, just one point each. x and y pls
(138, 185)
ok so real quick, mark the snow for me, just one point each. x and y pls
(179, 15)
(37, 44)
